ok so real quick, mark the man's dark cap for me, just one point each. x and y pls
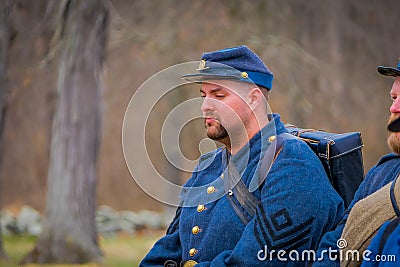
(394, 126)
(236, 63)
(389, 71)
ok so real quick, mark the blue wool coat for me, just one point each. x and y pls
(390, 255)
(297, 206)
(380, 175)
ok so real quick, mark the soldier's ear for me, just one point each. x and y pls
(255, 97)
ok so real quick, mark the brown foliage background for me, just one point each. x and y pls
(323, 54)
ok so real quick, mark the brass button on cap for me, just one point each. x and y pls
(195, 230)
(202, 65)
(200, 208)
(192, 251)
(244, 75)
(189, 263)
(271, 138)
(210, 189)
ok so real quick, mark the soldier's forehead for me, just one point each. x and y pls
(228, 84)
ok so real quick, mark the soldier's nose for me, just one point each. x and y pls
(395, 107)
(207, 105)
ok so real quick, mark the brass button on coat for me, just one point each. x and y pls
(195, 230)
(192, 251)
(272, 138)
(210, 189)
(189, 263)
(200, 208)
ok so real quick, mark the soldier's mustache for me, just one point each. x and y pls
(392, 118)
(211, 115)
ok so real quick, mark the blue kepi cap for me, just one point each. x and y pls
(236, 63)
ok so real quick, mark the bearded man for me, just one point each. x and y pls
(386, 170)
(217, 224)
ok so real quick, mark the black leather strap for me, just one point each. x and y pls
(238, 195)
(393, 197)
(245, 200)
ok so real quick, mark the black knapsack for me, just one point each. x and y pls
(340, 154)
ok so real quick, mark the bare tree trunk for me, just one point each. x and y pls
(5, 6)
(69, 234)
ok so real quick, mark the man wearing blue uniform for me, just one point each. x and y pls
(385, 245)
(380, 175)
(296, 202)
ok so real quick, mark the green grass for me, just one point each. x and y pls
(120, 250)
(16, 247)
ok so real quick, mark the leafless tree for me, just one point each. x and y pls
(5, 6)
(69, 234)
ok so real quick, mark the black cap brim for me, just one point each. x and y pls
(388, 71)
(198, 78)
(394, 126)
